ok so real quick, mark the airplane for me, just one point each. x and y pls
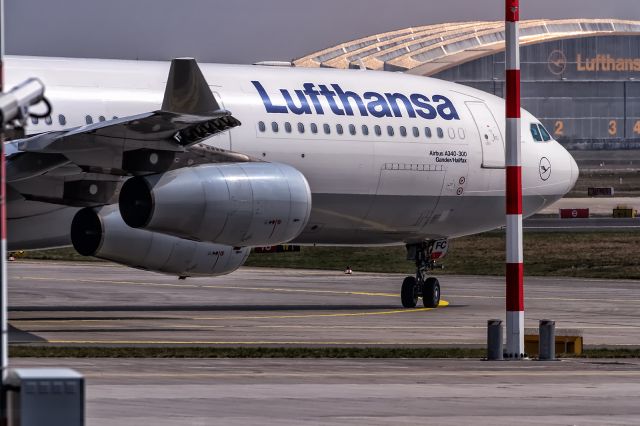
(182, 173)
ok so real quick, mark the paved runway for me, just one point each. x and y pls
(104, 304)
(608, 224)
(596, 205)
(204, 392)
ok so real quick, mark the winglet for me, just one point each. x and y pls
(187, 91)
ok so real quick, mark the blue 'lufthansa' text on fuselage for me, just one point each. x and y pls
(340, 102)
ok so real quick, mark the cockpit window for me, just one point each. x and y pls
(535, 132)
(545, 135)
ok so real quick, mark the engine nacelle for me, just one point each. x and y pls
(102, 233)
(240, 204)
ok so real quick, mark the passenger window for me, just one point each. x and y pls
(314, 128)
(545, 135)
(378, 130)
(416, 132)
(365, 130)
(427, 132)
(452, 133)
(300, 127)
(62, 119)
(535, 132)
(440, 133)
(287, 127)
(461, 134)
(261, 126)
(390, 131)
(274, 127)
(339, 129)
(352, 129)
(88, 119)
(327, 129)
(101, 118)
(34, 120)
(403, 131)
(48, 119)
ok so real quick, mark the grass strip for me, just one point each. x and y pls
(277, 352)
(238, 352)
(611, 353)
(562, 254)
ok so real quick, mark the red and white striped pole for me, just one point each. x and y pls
(515, 271)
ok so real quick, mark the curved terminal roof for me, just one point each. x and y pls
(430, 49)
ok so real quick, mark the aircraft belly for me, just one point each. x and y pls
(406, 195)
(335, 221)
(47, 230)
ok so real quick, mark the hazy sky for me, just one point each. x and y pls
(245, 31)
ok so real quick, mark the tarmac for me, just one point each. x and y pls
(598, 206)
(199, 392)
(101, 304)
(592, 224)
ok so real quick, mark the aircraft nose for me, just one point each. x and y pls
(575, 172)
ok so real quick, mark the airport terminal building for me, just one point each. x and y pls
(580, 77)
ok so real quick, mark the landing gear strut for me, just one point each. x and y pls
(422, 285)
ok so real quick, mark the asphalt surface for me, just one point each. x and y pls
(101, 304)
(608, 224)
(104, 304)
(597, 206)
(199, 392)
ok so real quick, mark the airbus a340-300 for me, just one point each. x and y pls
(184, 174)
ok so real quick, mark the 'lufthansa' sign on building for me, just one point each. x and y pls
(557, 63)
(606, 63)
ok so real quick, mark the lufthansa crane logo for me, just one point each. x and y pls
(557, 62)
(545, 168)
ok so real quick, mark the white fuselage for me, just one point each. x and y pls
(389, 157)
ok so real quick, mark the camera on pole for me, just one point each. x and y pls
(33, 396)
(15, 104)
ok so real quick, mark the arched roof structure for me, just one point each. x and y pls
(430, 49)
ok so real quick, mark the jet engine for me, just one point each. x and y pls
(102, 233)
(239, 204)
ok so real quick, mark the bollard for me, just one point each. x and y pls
(494, 340)
(547, 348)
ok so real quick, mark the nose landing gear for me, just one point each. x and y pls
(424, 255)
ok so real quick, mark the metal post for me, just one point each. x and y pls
(547, 334)
(494, 340)
(4, 335)
(514, 258)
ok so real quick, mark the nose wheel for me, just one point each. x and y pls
(421, 285)
(431, 293)
(410, 292)
(413, 289)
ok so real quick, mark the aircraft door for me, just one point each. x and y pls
(489, 134)
(221, 140)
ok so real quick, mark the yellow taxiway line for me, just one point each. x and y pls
(222, 287)
(301, 290)
(443, 303)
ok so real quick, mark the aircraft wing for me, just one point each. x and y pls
(85, 166)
